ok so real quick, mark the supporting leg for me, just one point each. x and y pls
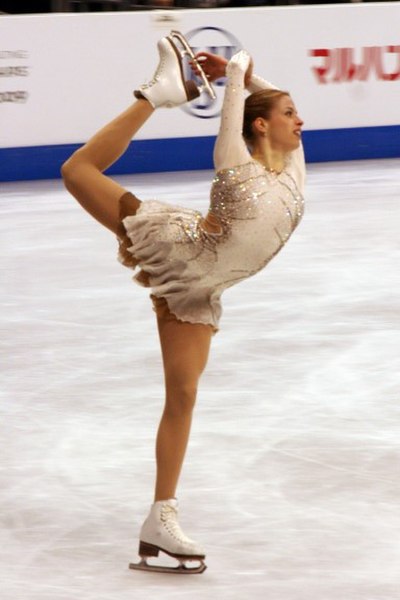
(185, 349)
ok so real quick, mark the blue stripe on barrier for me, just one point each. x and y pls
(191, 153)
(352, 143)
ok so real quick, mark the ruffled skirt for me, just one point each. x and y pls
(174, 258)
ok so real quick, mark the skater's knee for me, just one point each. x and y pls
(76, 168)
(66, 170)
(69, 170)
(180, 398)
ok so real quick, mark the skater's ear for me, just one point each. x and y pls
(260, 127)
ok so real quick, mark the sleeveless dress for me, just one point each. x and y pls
(189, 264)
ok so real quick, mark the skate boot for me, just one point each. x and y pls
(169, 87)
(161, 533)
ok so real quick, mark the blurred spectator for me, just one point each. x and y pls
(19, 7)
(43, 6)
(162, 3)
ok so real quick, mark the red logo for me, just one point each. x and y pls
(350, 64)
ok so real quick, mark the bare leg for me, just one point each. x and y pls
(185, 348)
(83, 172)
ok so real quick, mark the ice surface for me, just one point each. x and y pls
(291, 481)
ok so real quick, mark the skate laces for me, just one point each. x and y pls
(156, 74)
(169, 518)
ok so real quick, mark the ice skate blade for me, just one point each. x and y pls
(181, 569)
(187, 51)
(147, 551)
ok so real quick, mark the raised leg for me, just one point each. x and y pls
(83, 172)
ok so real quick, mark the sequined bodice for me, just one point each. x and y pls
(258, 212)
(249, 191)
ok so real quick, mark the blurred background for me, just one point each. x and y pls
(44, 6)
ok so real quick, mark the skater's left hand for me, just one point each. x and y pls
(213, 65)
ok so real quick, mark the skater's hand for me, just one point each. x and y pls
(213, 65)
(242, 61)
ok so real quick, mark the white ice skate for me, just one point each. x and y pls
(169, 87)
(161, 533)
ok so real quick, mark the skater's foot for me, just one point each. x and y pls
(169, 87)
(161, 532)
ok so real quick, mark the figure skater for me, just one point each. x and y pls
(187, 259)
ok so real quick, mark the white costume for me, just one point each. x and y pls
(257, 211)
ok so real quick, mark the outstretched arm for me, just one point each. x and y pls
(256, 83)
(230, 149)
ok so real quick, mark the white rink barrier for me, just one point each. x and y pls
(62, 76)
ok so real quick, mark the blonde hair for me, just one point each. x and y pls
(257, 105)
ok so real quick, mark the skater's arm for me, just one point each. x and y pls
(230, 148)
(215, 68)
(257, 83)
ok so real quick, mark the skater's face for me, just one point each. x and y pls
(284, 126)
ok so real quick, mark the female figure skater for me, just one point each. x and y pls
(186, 259)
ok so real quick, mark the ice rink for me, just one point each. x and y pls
(292, 478)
